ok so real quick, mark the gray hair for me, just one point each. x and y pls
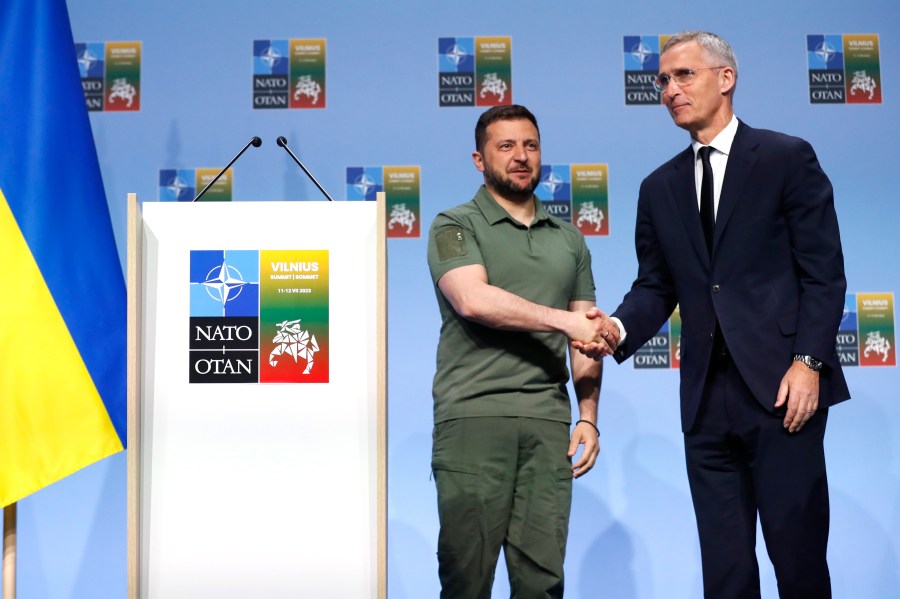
(714, 46)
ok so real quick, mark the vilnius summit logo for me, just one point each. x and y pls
(289, 73)
(475, 71)
(110, 75)
(844, 69)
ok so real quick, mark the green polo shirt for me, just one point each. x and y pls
(482, 371)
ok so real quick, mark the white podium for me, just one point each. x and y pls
(257, 400)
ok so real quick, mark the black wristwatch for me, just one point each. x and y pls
(811, 363)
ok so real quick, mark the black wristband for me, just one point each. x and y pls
(591, 423)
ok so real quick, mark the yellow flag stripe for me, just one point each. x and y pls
(52, 420)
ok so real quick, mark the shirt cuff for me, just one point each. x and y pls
(622, 333)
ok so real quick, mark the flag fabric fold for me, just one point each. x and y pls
(62, 293)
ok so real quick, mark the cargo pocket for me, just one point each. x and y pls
(460, 510)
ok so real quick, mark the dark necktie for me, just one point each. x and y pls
(707, 195)
(708, 218)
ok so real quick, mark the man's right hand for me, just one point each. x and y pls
(596, 335)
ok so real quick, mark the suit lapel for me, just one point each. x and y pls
(741, 162)
(684, 191)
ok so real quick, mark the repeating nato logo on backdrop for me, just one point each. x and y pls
(577, 193)
(641, 68)
(258, 316)
(475, 71)
(865, 335)
(110, 75)
(844, 69)
(182, 184)
(402, 185)
(289, 73)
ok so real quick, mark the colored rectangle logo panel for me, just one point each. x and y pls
(307, 73)
(220, 191)
(641, 53)
(863, 69)
(123, 76)
(875, 315)
(456, 71)
(402, 186)
(493, 71)
(590, 198)
(293, 316)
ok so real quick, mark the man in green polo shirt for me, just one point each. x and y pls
(513, 285)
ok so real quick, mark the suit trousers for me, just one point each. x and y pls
(502, 482)
(741, 462)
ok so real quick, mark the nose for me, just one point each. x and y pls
(519, 154)
(670, 92)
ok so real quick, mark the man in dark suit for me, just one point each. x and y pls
(754, 261)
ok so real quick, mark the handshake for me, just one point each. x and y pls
(593, 333)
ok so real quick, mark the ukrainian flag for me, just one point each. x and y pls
(62, 293)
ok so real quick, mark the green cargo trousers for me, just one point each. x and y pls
(502, 482)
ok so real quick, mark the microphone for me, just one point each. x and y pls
(255, 142)
(282, 141)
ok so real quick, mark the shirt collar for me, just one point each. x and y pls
(721, 142)
(494, 212)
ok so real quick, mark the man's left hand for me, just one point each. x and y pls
(800, 389)
(584, 434)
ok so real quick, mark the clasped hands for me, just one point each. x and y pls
(594, 334)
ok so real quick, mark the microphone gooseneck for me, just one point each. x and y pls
(282, 141)
(255, 142)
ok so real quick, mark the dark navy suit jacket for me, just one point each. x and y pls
(775, 281)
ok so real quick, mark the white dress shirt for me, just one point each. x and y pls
(718, 159)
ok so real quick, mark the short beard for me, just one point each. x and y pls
(507, 189)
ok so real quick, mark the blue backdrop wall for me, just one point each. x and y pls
(632, 528)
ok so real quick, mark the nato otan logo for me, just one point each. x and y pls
(641, 68)
(289, 73)
(843, 69)
(110, 75)
(224, 317)
(475, 71)
(663, 350)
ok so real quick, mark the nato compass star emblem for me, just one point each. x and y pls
(553, 182)
(825, 52)
(270, 57)
(363, 185)
(456, 54)
(86, 60)
(641, 53)
(177, 187)
(224, 283)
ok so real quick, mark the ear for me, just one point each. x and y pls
(727, 81)
(478, 159)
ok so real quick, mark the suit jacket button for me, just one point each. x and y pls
(716, 288)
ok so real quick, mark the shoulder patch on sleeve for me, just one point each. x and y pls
(451, 243)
